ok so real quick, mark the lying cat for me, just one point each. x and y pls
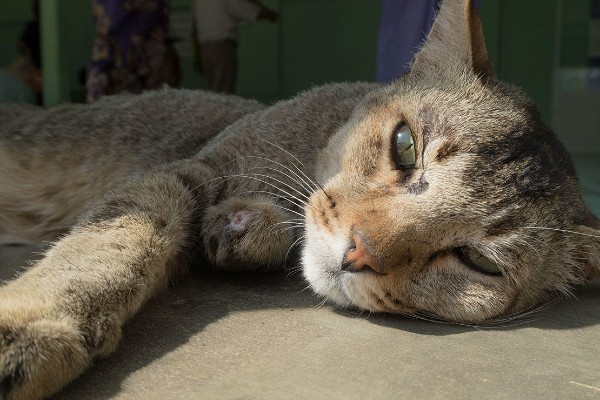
(442, 194)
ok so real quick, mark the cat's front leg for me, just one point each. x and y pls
(68, 309)
(248, 233)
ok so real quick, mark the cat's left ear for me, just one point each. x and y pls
(455, 38)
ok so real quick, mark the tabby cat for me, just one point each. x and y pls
(442, 194)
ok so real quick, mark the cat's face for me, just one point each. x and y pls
(438, 195)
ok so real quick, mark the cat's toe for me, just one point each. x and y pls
(38, 358)
(246, 234)
(239, 221)
(225, 234)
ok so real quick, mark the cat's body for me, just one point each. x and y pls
(441, 194)
(93, 149)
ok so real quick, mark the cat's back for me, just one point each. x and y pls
(56, 161)
(168, 122)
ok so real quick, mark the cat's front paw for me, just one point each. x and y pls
(243, 234)
(37, 358)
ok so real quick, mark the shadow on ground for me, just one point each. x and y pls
(266, 336)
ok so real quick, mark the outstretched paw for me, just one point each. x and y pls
(39, 357)
(243, 234)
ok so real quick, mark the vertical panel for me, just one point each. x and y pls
(54, 60)
(259, 58)
(66, 40)
(77, 32)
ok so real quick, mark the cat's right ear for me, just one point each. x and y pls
(455, 38)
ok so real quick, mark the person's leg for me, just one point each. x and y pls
(206, 60)
(403, 27)
(219, 63)
(228, 69)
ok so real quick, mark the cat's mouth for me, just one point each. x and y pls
(338, 268)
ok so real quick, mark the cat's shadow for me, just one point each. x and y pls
(173, 318)
(581, 310)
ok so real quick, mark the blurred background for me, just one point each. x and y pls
(551, 48)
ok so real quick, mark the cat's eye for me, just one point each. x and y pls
(404, 148)
(479, 262)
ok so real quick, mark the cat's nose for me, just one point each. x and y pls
(359, 257)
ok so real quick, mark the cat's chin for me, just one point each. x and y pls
(321, 264)
(324, 280)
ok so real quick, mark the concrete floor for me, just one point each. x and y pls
(265, 337)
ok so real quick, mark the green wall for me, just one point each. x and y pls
(528, 48)
(67, 36)
(315, 41)
(14, 14)
(575, 17)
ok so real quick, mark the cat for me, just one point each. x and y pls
(442, 194)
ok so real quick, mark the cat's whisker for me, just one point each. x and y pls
(273, 195)
(252, 157)
(277, 196)
(532, 247)
(428, 318)
(258, 177)
(296, 242)
(562, 230)
(322, 303)
(521, 316)
(254, 176)
(305, 202)
(293, 224)
(542, 243)
(265, 159)
(293, 271)
(314, 182)
(272, 204)
(308, 287)
(290, 227)
(287, 168)
(285, 171)
(282, 230)
(283, 208)
(295, 178)
(298, 221)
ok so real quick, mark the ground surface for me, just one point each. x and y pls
(264, 337)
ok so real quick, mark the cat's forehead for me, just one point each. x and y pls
(492, 133)
(496, 121)
(455, 106)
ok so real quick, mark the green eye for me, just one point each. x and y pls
(404, 148)
(479, 262)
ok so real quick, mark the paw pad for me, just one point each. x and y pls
(239, 220)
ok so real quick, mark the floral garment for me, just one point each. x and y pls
(130, 45)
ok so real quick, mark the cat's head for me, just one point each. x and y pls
(445, 194)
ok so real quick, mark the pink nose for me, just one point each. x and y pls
(359, 257)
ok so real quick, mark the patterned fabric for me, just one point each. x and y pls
(129, 48)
